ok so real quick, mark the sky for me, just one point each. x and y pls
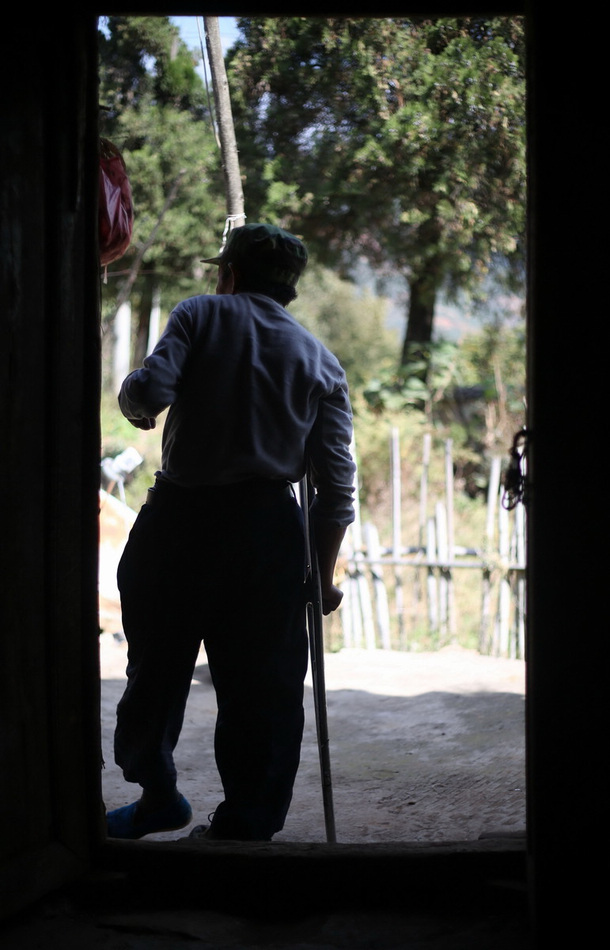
(192, 31)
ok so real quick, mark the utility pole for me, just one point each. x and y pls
(224, 117)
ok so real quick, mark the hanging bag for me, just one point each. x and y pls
(115, 205)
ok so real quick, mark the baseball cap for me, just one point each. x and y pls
(276, 254)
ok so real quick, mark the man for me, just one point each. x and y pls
(217, 552)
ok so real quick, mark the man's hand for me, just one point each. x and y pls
(331, 599)
(144, 423)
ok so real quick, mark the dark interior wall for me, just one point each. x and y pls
(49, 770)
(50, 452)
(567, 402)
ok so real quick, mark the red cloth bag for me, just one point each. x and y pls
(115, 205)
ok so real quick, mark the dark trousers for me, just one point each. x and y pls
(224, 566)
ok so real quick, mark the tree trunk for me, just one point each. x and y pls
(134, 270)
(420, 320)
(143, 328)
(224, 117)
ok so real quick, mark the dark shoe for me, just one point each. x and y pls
(131, 822)
(209, 833)
(200, 831)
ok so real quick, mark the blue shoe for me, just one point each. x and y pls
(129, 822)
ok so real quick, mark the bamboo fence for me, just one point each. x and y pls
(397, 596)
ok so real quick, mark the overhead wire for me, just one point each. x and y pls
(207, 87)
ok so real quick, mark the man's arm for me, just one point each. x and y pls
(328, 538)
(332, 471)
(148, 391)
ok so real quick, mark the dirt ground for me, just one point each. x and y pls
(424, 747)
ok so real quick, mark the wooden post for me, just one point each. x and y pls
(502, 637)
(397, 536)
(520, 596)
(443, 583)
(423, 509)
(431, 581)
(451, 620)
(121, 361)
(224, 116)
(347, 604)
(423, 492)
(502, 634)
(155, 321)
(373, 549)
(492, 498)
(363, 598)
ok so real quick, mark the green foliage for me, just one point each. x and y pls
(474, 395)
(349, 322)
(153, 110)
(402, 140)
(492, 363)
(143, 59)
(162, 146)
(404, 389)
(493, 357)
(373, 447)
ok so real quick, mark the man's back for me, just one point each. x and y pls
(247, 386)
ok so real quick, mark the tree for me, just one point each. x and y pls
(401, 140)
(154, 109)
(351, 323)
(143, 59)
